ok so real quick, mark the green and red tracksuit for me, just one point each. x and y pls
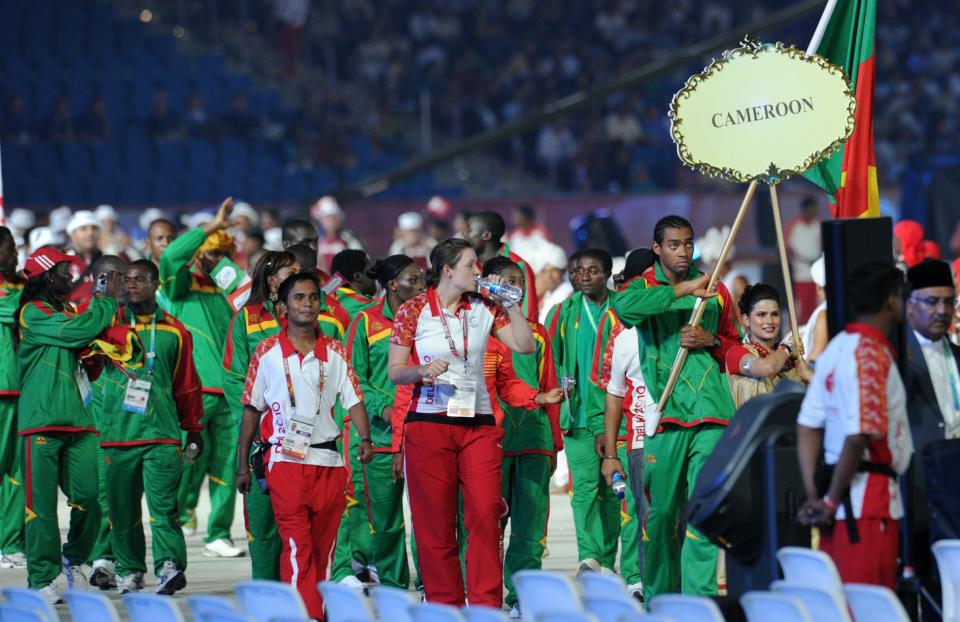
(59, 444)
(691, 424)
(368, 342)
(579, 335)
(203, 309)
(11, 486)
(142, 451)
(354, 539)
(531, 441)
(248, 328)
(531, 303)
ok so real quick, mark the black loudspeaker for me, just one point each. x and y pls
(847, 245)
(750, 489)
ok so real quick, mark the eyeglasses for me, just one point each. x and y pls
(932, 302)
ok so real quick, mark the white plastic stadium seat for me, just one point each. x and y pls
(430, 612)
(874, 602)
(607, 608)
(687, 608)
(823, 604)
(765, 606)
(603, 585)
(391, 603)
(808, 566)
(152, 608)
(344, 603)
(16, 613)
(483, 614)
(539, 591)
(199, 604)
(264, 600)
(91, 606)
(947, 553)
(30, 599)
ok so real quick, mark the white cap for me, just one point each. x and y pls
(410, 221)
(553, 256)
(711, 245)
(44, 236)
(818, 271)
(328, 206)
(245, 209)
(106, 212)
(21, 219)
(148, 216)
(60, 217)
(438, 206)
(82, 218)
(273, 239)
(192, 221)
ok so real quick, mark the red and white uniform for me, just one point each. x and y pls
(857, 389)
(620, 375)
(306, 494)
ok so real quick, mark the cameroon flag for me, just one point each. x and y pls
(849, 176)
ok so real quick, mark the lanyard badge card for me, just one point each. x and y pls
(296, 442)
(463, 402)
(83, 384)
(137, 395)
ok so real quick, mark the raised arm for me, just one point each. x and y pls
(42, 324)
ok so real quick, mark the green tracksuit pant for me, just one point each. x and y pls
(130, 472)
(67, 461)
(263, 539)
(526, 489)
(353, 537)
(596, 510)
(11, 480)
(102, 548)
(385, 513)
(218, 463)
(630, 527)
(674, 458)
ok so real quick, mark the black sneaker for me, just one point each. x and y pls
(103, 575)
(171, 579)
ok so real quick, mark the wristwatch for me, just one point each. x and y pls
(716, 343)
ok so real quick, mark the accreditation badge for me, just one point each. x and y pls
(463, 402)
(83, 384)
(137, 395)
(296, 443)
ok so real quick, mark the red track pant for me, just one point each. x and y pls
(307, 502)
(442, 459)
(871, 560)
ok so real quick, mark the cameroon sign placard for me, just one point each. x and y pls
(762, 112)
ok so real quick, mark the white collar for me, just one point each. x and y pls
(924, 342)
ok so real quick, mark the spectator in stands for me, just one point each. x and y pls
(94, 123)
(197, 119)
(84, 231)
(162, 123)
(291, 15)
(622, 126)
(485, 231)
(159, 235)
(552, 284)
(802, 237)
(556, 149)
(18, 125)
(409, 240)
(59, 126)
(854, 415)
(528, 238)
(335, 237)
(238, 120)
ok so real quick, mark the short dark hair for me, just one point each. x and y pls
(5, 234)
(147, 265)
(638, 261)
(348, 262)
(386, 270)
(292, 227)
(497, 264)
(606, 261)
(576, 256)
(446, 253)
(108, 263)
(670, 222)
(752, 294)
(870, 286)
(525, 209)
(283, 292)
(162, 221)
(491, 221)
(305, 254)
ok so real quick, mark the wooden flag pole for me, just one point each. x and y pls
(785, 265)
(701, 306)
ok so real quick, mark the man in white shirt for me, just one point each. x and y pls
(552, 287)
(294, 380)
(855, 414)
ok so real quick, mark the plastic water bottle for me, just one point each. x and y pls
(619, 485)
(504, 291)
(190, 453)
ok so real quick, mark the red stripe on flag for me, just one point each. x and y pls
(858, 194)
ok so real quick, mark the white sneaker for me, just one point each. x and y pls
(76, 580)
(588, 565)
(13, 560)
(51, 594)
(189, 528)
(170, 579)
(352, 582)
(374, 574)
(130, 583)
(222, 548)
(607, 572)
(636, 590)
(515, 612)
(103, 574)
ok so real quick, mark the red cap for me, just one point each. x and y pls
(44, 259)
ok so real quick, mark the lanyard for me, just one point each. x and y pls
(950, 362)
(293, 397)
(593, 322)
(449, 337)
(152, 352)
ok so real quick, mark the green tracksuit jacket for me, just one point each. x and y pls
(11, 488)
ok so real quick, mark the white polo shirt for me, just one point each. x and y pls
(418, 325)
(266, 391)
(857, 389)
(620, 375)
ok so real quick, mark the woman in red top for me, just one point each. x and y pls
(451, 441)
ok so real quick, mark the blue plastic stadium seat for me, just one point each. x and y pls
(165, 190)
(76, 160)
(294, 186)
(170, 156)
(43, 159)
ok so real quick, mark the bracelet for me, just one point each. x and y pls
(830, 503)
(617, 458)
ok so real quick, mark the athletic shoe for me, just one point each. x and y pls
(352, 582)
(170, 579)
(130, 583)
(189, 528)
(51, 594)
(373, 574)
(13, 560)
(588, 565)
(103, 575)
(515, 612)
(222, 548)
(607, 572)
(75, 577)
(636, 590)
